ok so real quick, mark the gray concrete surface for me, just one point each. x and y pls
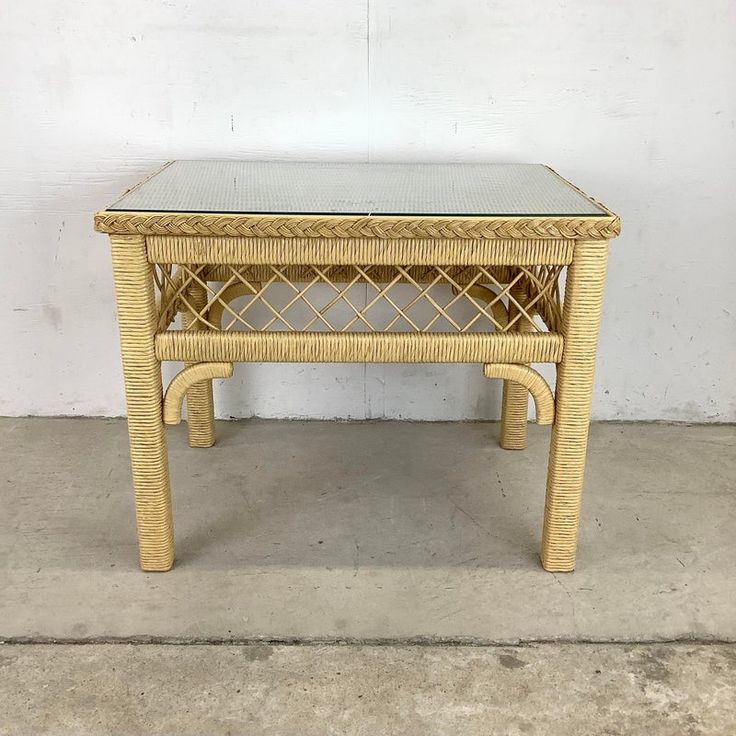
(367, 531)
(545, 690)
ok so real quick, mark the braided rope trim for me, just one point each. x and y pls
(258, 226)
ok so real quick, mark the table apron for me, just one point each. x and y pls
(212, 250)
(358, 347)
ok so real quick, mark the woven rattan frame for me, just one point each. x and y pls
(337, 251)
(384, 228)
(580, 323)
(515, 401)
(212, 246)
(475, 295)
(142, 373)
(357, 347)
(182, 384)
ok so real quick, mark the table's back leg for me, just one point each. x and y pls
(200, 401)
(515, 402)
(143, 392)
(580, 324)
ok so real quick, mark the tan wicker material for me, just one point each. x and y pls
(214, 311)
(142, 372)
(200, 403)
(515, 401)
(347, 251)
(357, 347)
(182, 384)
(385, 228)
(580, 322)
(466, 306)
(493, 300)
(523, 375)
(433, 289)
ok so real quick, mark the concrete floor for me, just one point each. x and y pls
(543, 690)
(367, 532)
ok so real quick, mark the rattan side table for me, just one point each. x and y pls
(218, 261)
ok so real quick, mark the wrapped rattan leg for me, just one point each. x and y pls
(143, 392)
(580, 323)
(200, 402)
(515, 402)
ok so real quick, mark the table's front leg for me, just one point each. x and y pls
(580, 324)
(134, 291)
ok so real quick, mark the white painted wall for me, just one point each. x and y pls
(633, 100)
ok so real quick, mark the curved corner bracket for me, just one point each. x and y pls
(484, 294)
(544, 401)
(217, 308)
(184, 380)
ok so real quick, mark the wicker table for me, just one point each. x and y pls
(223, 261)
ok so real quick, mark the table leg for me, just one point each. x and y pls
(136, 309)
(515, 403)
(200, 402)
(580, 323)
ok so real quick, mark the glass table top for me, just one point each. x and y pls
(270, 188)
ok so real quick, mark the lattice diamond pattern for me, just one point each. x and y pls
(362, 298)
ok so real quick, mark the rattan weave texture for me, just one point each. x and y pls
(282, 288)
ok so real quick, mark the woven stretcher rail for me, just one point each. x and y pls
(358, 347)
(276, 226)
